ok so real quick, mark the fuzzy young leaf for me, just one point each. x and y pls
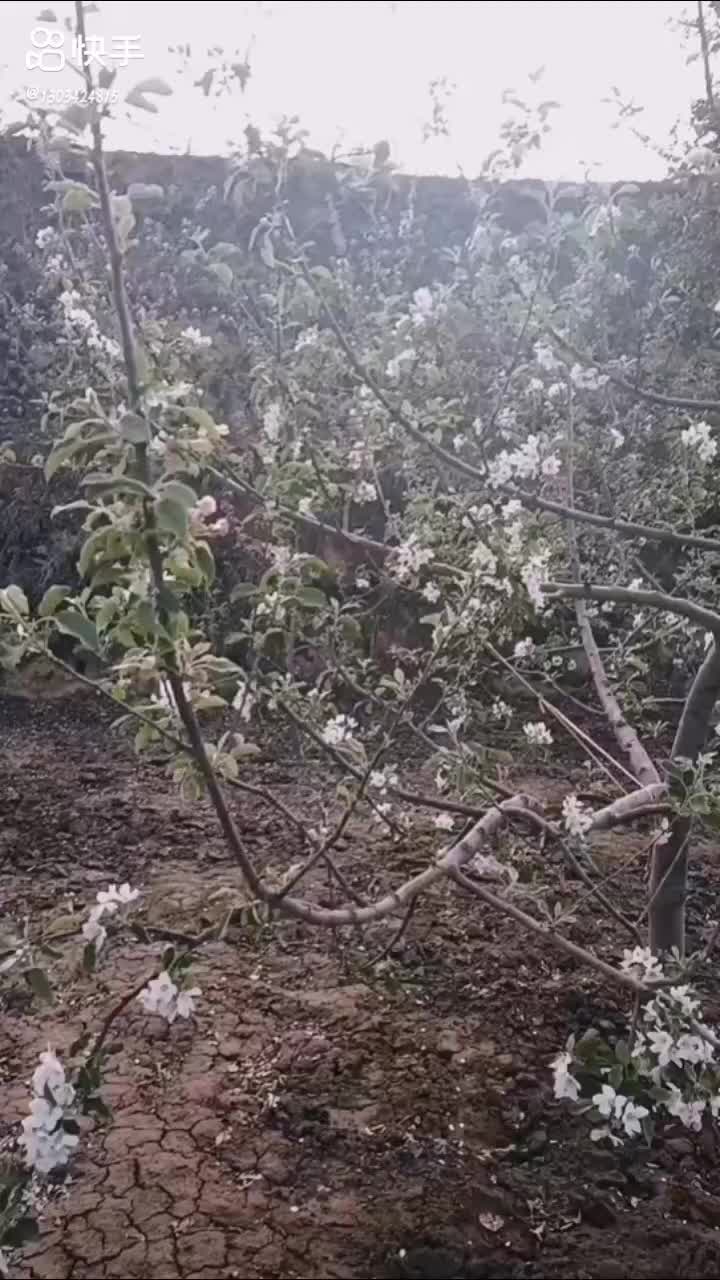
(311, 598)
(222, 271)
(52, 598)
(66, 452)
(79, 199)
(73, 623)
(172, 516)
(179, 492)
(14, 600)
(243, 591)
(205, 562)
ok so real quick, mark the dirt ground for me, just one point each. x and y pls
(320, 1118)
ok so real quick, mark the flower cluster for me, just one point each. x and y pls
(194, 338)
(338, 730)
(164, 997)
(48, 1144)
(381, 779)
(577, 817)
(409, 558)
(200, 515)
(671, 1065)
(108, 901)
(523, 463)
(697, 436)
(80, 324)
(538, 734)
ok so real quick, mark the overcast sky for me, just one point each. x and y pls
(358, 72)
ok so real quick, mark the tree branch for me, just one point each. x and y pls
(697, 613)
(625, 735)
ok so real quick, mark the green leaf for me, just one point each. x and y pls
(222, 271)
(200, 417)
(73, 623)
(52, 598)
(205, 562)
(352, 632)
(89, 957)
(94, 542)
(66, 452)
(17, 600)
(134, 429)
(37, 980)
(622, 1052)
(79, 505)
(172, 517)
(311, 597)
(79, 199)
(243, 591)
(179, 492)
(118, 484)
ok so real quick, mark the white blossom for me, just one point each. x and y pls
(564, 1084)
(533, 575)
(698, 437)
(500, 710)
(524, 648)
(431, 592)
(115, 896)
(422, 306)
(546, 357)
(688, 1113)
(206, 507)
(587, 379)
(578, 818)
(195, 338)
(551, 465)
(45, 236)
(339, 729)
(162, 996)
(409, 557)
(244, 701)
(617, 437)
(395, 367)
(381, 779)
(538, 734)
(47, 1145)
(364, 491)
(608, 1102)
(641, 962)
(272, 422)
(444, 822)
(632, 1117)
(93, 931)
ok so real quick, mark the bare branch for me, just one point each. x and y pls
(697, 613)
(625, 735)
(546, 931)
(639, 393)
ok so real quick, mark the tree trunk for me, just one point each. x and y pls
(668, 877)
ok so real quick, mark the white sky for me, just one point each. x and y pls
(358, 72)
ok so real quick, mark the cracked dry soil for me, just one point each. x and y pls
(318, 1119)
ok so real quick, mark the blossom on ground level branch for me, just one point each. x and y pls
(48, 1145)
(164, 997)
